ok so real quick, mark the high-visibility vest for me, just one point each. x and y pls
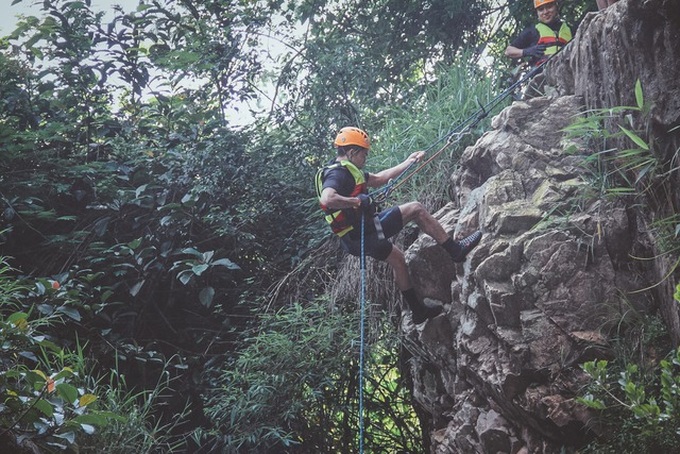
(554, 41)
(341, 221)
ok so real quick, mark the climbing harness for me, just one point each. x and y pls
(339, 220)
(453, 136)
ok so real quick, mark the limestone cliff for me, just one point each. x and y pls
(559, 262)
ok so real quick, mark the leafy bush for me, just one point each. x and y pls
(52, 398)
(141, 428)
(293, 388)
(44, 400)
(640, 411)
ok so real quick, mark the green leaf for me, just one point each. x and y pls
(45, 407)
(17, 317)
(134, 290)
(68, 392)
(75, 5)
(199, 269)
(49, 345)
(635, 138)
(88, 429)
(188, 198)
(206, 296)
(140, 190)
(29, 355)
(94, 419)
(193, 252)
(70, 312)
(226, 263)
(37, 372)
(64, 373)
(638, 94)
(68, 436)
(185, 276)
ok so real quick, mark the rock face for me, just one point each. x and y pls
(628, 41)
(634, 41)
(499, 370)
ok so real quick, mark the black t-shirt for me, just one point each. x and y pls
(340, 179)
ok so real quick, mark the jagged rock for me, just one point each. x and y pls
(500, 370)
(613, 48)
(627, 42)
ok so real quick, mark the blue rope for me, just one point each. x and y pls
(361, 346)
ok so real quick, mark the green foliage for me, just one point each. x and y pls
(642, 413)
(615, 171)
(639, 409)
(293, 388)
(41, 383)
(286, 365)
(458, 93)
(139, 429)
(639, 406)
(352, 62)
(623, 159)
(164, 227)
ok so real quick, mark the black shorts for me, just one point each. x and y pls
(391, 222)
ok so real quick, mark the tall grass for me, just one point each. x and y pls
(457, 94)
(142, 427)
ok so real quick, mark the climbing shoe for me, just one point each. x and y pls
(422, 312)
(461, 248)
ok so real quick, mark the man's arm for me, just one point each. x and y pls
(378, 179)
(528, 37)
(513, 52)
(331, 199)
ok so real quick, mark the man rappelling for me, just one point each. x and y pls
(342, 187)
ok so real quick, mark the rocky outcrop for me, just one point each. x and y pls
(628, 42)
(499, 371)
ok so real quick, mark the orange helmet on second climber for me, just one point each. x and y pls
(350, 135)
(538, 3)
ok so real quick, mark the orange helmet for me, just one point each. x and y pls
(350, 135)
(538, 3)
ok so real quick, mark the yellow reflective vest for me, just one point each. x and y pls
(553, 41)
(341, 221)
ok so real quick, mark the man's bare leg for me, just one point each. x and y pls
(415, 211)
(458, 250)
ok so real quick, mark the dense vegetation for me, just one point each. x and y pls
(166, 282)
